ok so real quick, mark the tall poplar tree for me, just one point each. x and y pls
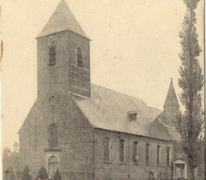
(190, 123)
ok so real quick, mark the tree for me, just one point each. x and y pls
(7, 152)
(57, 175)
(190, 123)
(42, 174)
(26, 174)
(15, 148)
(9, 174)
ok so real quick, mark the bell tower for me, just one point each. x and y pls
(63, 53)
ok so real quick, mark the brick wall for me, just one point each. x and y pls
(53, 78)
(79, 77)
(77, 143)
(75, 138)
(65, 75)
(136, 171)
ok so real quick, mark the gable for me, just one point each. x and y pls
(26, 121)
(62, 110)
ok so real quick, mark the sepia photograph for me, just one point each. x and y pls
(102, 90)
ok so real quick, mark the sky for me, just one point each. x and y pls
(134, 50)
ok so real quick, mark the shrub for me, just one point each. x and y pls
(42, 174)
(26, 174)
(9, 174)
(57, 175)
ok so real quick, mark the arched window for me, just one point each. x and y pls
(158, 154)
(107, 149)
(52, 56)
(53, 135)
(135, 152)
(168, 156)
(52, 166)
(121, 150)
(147, 153)
(79, 57)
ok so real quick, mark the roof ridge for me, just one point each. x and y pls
(155, 108)
(121, 93)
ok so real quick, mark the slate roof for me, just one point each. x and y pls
(158, 130)
(171, 99)
(174, 133)
(166, 118)
(62, 19)
(107, 109)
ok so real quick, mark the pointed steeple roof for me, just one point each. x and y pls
(62, 19)
(171, 99)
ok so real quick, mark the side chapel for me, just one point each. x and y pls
(87, 131)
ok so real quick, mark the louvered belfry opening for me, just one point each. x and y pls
(52, 56)
(79, 57)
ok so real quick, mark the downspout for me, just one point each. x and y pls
(166, 160)
(93, 155)
(172, 152)
(129, 159)
(35, 140)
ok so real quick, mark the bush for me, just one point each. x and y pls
(26, 174)
(9, 174)
(42, 174)
(57, 175)
(151, 175)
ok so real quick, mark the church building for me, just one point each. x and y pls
(87, 131)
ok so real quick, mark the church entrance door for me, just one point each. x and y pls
(52, 166)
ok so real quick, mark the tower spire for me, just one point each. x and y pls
(171, 100)
(62, 19)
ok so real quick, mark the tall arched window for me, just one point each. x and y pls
(79, 57)
(168, 156)
(121, 150)
(135, 152)
(158, 154)
(147, 153)
(53, 135)
(52, 56)
(52, 166)
(107, 149)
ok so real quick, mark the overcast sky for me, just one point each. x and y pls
(134, 50)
